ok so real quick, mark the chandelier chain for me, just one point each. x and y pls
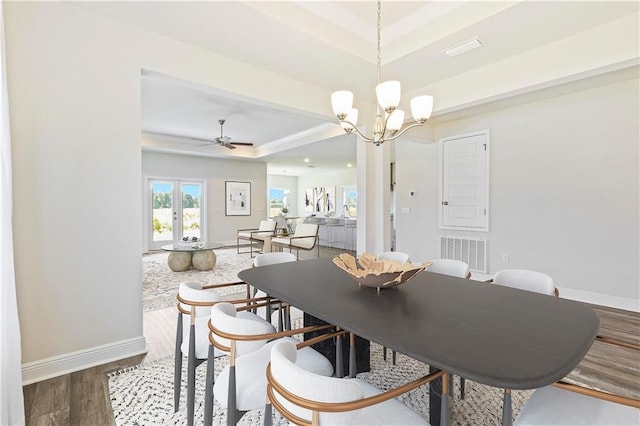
(378, 55)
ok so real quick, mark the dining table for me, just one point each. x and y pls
(494, 335)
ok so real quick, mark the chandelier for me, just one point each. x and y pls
(388, 95)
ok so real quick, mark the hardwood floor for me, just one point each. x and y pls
(82, 398)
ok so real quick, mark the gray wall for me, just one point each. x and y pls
(563, 191)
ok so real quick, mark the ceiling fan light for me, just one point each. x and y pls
(388, 94)
(396, 120)
(341, 102)
(421, 108)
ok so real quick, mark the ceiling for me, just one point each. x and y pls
(331, 45)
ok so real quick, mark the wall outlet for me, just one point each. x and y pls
(505, 257)
(406, 210)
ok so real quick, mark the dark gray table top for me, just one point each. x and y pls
(494, 335)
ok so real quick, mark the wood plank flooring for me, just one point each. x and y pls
(82, 398)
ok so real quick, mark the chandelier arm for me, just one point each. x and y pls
(384, 128)
(354, 127)
(401, 132)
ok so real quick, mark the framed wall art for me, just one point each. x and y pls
(308, 200)
(318, 199)
(330, 199)
(238, 198)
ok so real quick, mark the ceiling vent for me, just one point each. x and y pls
(463, 47)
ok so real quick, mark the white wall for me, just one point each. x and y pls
(564, 191)
(215, 171)
(285, 182)
(337, 179)
(74, 88)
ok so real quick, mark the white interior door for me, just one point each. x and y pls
(176, 210)
(464, 182)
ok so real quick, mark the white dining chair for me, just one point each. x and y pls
(523, 279)
(283, 318)
(398, 256)
(527, 280)
(552, 406)
(241, 385)
(455, 268)
(301, 395)
(192, 335)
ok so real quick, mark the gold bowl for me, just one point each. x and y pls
(377, 273)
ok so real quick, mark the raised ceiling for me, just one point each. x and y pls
(331, 45)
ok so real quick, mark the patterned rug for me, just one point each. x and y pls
(160, 284)
(143, 395)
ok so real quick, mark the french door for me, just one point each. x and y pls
(176, 210)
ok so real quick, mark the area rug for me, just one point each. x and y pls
(160, 284)
(143, 395)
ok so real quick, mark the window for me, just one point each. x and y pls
(278, 201)
(350, 199)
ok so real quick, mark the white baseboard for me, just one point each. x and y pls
(600, 299)
(68, 363)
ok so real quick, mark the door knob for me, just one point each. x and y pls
(445, 203)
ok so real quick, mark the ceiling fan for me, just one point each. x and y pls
(221, 140)
(225, 141)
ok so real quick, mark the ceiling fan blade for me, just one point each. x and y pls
(228, 145)
(242, 143)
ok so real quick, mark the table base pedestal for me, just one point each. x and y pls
(179, 261)
(328, 348)
(204, 260)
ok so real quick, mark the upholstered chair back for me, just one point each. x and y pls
(309, 385)
(273, 258)
(398, 256)
(525, 280)
(456, 268)
(192, 291)
(267, 225)
(224, 317)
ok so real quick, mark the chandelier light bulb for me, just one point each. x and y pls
(388, 94)
(396, 120)
(342, 103)
(421, 107)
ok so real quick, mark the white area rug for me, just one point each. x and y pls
(143, 395)
(160, 284)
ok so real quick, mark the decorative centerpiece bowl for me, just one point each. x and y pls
(189, 243)
(377, 273)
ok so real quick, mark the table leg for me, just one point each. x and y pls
(328, 348)
(266, 245)
(435, 398)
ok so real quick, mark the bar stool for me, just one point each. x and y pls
(350, 227)
(332, 228)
